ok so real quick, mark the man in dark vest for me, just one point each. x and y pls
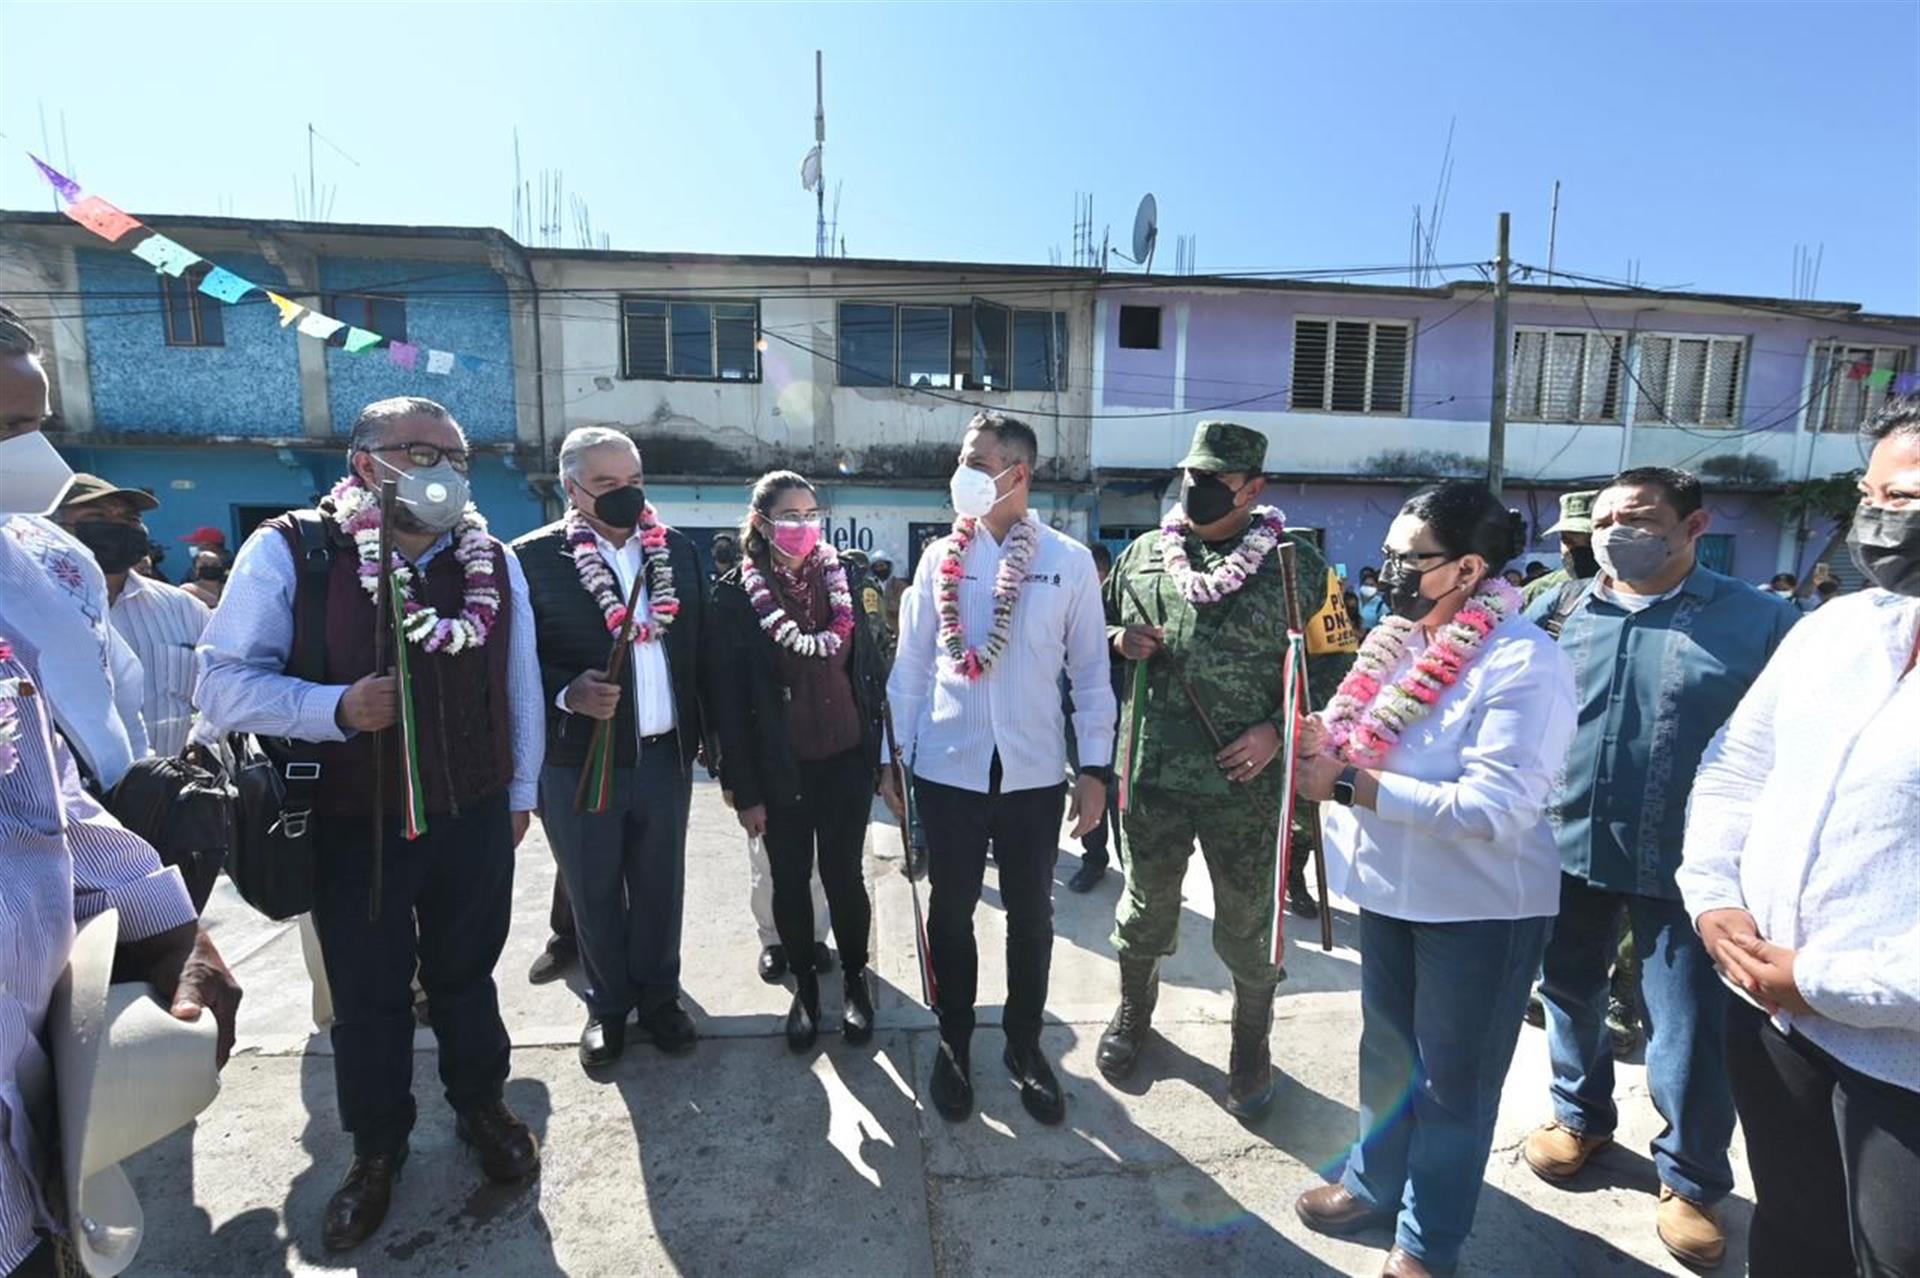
(445, 897)
(624, 866)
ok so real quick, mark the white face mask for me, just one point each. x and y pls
(33, 476)
(975, 492)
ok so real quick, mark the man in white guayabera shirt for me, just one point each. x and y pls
(999, 608)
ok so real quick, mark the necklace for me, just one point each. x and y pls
(1269, 525)
(355, 508)
(779, 623)
(663, 605)
(1008, 579)
(1367, 716)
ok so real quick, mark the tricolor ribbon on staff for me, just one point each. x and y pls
(413, 799)
(1292, 698)
(600, 767)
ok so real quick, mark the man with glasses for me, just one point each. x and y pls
(290, 653)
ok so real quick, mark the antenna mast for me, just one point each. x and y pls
(822, 247)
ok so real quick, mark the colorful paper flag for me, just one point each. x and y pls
(1906, 384)
(314, 324)
(470, 363)
(226, 286)
(167, 256)
(1880, 377)
(1858, 370)
(289, 309)
(440, 362)
(102, 218)
(68, 188)
(359, 340)
(405, 354)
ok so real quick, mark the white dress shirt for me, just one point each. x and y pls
(1806, 813)
(244, 651)
(1460, 831)
(653, 711)
(950, 727)
(162, 624)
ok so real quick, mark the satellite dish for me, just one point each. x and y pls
(1146, 229)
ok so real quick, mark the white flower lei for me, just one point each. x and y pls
(1268, 526)
(356, 510)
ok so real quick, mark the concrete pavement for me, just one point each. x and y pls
(745, 1159)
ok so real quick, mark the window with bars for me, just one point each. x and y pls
(977, 346)
(1690, 381)
(1850, 383)
(1351, 366)
(672, 340)
(192, 318)
(1565, 376)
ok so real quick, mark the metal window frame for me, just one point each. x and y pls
(1673, 340)
(1159, 326)
(1058, 325)
(713, 339)
(899, 328)
(1587, 335)
(330, 303)
(194, 299)
(1819, 402)
(1374, 324)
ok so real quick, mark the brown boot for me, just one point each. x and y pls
(1333, 1209)
(1690, 1231)
(1557, 1152)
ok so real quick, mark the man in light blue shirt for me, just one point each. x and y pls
(1662, 650)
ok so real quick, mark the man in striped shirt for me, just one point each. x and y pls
(161, 623)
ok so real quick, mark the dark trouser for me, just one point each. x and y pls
(836, 796)
(560, 913)
(448, 900)
(1093, 844)
(1440, 1009)
(42, 1262)
(1024, 829)
(1686, 1016)
(1835, 1157)
(626, 873)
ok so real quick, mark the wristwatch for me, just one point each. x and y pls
(1343, 786)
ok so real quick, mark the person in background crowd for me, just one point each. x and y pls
(161, 623)
(1093, 844)
(894, 587)
(1825, 592)
(209, 578)
(63, 610)
(1784, 584)
(1577, 563)
(999, 606)
(798, 717)
(1535, 571)
(447, 895)
(1373, 604)
(1662, 651)
(726, 554)
(625, 867)
(1514, 578)
(1802, 873)
(1439, 773)
(1352, 600)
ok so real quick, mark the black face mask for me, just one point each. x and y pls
(217, 573)
(1579, 562)
(1206, 498)
(622, 507)
(1886, 547)
(116, 547)
(881, 572)
(1402, 587)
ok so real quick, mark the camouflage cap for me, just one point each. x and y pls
(1226, 447)
(1576, 514)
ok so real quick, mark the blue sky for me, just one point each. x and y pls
(1703, 140)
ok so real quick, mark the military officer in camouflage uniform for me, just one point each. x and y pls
(1179, 787)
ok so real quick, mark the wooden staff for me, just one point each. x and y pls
(616, 665)
(382, 643)
(1296, 625)
(928, 986)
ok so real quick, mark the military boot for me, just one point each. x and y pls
(1250, 1066)
(1127, 1031)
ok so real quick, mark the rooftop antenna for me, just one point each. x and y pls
(822, 245)
(1146, 232)
(1553, 229)
(314, 210)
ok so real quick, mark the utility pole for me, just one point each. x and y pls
(1497, 421)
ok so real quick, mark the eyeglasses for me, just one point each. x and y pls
(424, 455)
(813, 518)
(1394, 559)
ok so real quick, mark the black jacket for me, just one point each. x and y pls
(750, 699)
(573, 638)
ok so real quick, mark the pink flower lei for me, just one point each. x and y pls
(780, 625)
(1023, 539)
(1367, 716)
(357, 511)
(1268, 526)
(663, 603)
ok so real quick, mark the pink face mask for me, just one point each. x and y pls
(796, 538)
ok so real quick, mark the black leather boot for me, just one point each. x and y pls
(508, 1149)
(803, 1018)
(361, 1202)
(1250, 1064)
(1127, 1032)
(856, 1022)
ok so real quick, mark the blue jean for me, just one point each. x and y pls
(1686, 1013)
(1440, 1011)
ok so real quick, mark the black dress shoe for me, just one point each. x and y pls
(602, 1041)
(856, 1022)
(1039, 1089)
(507, 1148)
(1087, 877)
(554, 961)
(1300, 902)
(360, 1204)
(670, 1028)
(803, 1018)
(822, 957)
(952, 1089)
(773, 964)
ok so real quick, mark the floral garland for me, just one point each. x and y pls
(1269, 525)
(1360, 730)
(356, 509)
(778, 623)
(9, 721)
(656, 564)
(1023, 539)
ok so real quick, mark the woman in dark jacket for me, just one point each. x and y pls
(799, 725)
